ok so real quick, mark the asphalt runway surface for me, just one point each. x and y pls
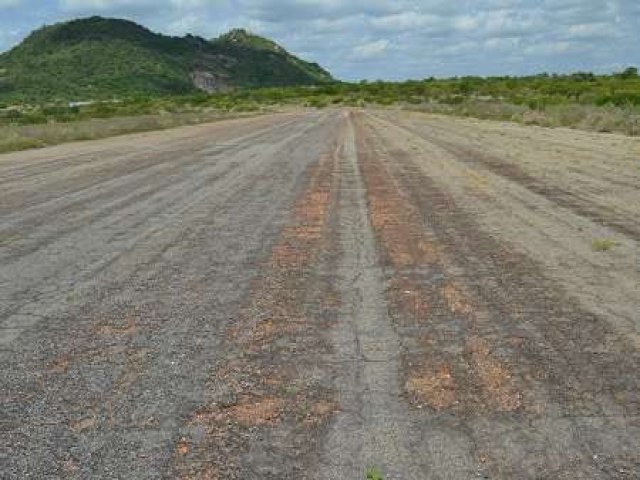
(322, 295)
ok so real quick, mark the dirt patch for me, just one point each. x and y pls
(433, 387)
(182, 447)
(575, 176)
(456, 301)
(410, 298)
(60, 365)
(249, 412)
(113, 328)
(495, 378)
(84, 424)
(422, 293)
(405, 247)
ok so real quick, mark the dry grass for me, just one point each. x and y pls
(582, 117)
(14, 138)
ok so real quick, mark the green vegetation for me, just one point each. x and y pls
(535, 93)
(603, 244)
(62, 112)
(100, 59)
(581, 101)
(606, 103)
(65, 75)
(373, 474)
(260, 62)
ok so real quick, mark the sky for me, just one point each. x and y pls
(386, 40)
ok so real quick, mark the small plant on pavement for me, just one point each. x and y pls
(374, 474)
(603, 245)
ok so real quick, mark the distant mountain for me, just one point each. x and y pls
(98, 58)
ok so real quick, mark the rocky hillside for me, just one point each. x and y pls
(97, 58)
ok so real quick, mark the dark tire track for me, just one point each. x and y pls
(576, 374)
(561, 197)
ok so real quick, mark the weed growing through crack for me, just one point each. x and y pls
(603, 244)
(374, 474)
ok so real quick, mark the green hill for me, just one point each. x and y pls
(261, 62)
(99, 58)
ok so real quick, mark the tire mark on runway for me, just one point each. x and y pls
(421, 285)
(275, 384)
(577, 204)
(575, 377)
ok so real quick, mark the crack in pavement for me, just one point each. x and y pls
(373, 426)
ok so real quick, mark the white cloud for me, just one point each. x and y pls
(185, 24)
(404, 21)
(549, 48)
(136, 6)
(502, 44)
(104, 5)
(371, 49)
(466, 23)
(418, 38)
(592, 30)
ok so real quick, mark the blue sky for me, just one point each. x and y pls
(391, 40)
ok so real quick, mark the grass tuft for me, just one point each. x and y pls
(603, 244)
(374, 474)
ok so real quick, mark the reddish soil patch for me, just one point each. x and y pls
(433, 387)
(268, 387)
(456, 301)
(494, 377)
(474, 383)
(114, 328)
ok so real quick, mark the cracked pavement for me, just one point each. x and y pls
(313, 294)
